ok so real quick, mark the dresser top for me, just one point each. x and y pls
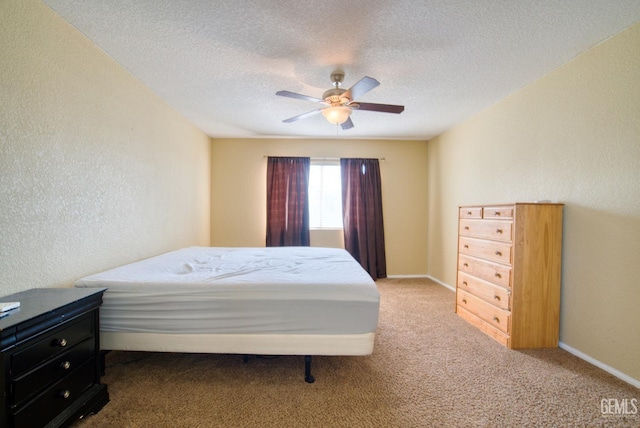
(509, 204)
(39, 302)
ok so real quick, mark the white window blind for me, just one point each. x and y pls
(325, 195)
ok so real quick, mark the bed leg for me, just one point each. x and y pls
(307, 370)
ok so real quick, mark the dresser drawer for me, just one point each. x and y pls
(500, 230)
(498, 212)
(486, 328)
(493, 315)
(55, 369)
(470, 212)
(57, 397)
(489, 250)
(51, 343)
(486, 291)
(492, 272)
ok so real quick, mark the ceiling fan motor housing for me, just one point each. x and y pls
(334, 96)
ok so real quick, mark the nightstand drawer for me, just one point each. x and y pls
(499, 230)
(496, 295)
(56, 398)
(489, 250)
(35, 381)
(497, 317)
(52, 343)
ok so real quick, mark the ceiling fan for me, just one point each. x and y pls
(340, 102)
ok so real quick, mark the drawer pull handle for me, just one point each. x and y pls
(498, 275)
(66, 365)
(62, 342)
(466, 228)
(465, 283)
(464, 301)
(65, 394)
(469, 213)
(498, 253)
(496, 319)
(466, 246)
(466, 265)
(497, 213)
(497, 298)
(498, 230)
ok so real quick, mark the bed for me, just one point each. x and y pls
(250, 301)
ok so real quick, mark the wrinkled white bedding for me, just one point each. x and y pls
(209, 290)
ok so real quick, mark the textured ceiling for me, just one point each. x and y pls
(220, 63)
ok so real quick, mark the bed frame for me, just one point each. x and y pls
(123, 335)
(306, 345)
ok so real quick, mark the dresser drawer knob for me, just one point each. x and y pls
(66, 365)
(464, 301)
(466, 265)
(496, 319)
(62, 342)
(497, 297)
(65, 394)
(465, 283)
(498, 230)
(499, 253)
(497, 213)
(498, 275)
(466, 246)
(469, 213)
(466, 228)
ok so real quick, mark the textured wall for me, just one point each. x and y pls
(574, 137)
(239, 193)
(95, 170)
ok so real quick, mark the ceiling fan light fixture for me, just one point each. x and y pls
(336, 114)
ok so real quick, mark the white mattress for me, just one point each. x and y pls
(205, 290)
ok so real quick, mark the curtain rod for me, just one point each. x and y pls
(323, 159)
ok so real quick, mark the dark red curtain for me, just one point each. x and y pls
(362, 214)
(288, 201)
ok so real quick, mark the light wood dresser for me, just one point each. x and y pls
(509, 268)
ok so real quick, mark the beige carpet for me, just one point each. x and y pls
(429, 368)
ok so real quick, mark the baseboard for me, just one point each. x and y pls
(406, 276)
(600, 364)
(441, 283)
(423, 276)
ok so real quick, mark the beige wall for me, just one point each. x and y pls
(238, 192)
(95, 170)
(574, 137)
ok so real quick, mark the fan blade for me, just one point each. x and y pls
(298, 96)
(347, 124)
(303, 115)
(361, 87)
(385, 108)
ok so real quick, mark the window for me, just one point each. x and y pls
(325, 195)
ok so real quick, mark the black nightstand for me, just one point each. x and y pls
(50, 358)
